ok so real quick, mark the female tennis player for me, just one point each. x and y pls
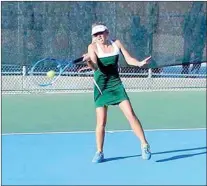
(102, 57)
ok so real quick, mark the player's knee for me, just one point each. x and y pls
(132, 119)
(131, 116)
(101, 125)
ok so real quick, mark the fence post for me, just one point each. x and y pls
(149, 73)
(24, 71)
(149, 79)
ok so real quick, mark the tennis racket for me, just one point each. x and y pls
(46, 72)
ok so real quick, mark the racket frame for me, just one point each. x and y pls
(61, 68)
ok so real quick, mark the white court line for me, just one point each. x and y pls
(110, 131)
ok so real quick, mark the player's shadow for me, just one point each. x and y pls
(180, 157)
(119, 158)
(164, 152)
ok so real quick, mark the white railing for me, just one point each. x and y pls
(15, 80)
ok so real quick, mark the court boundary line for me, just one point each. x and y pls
(108, 131)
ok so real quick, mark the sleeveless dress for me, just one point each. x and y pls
(108, 88)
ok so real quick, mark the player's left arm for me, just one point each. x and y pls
(129, 59)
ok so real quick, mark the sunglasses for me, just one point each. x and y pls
(99, 33)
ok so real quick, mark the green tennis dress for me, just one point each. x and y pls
(108, 88)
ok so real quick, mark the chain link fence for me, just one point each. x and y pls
(173, 33)
(16, 79)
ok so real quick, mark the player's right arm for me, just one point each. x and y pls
(92, 58)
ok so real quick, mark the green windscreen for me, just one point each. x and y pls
(171, 32)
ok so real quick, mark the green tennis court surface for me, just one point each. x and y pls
(76, 112)
(46, 156)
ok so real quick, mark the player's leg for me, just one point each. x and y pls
(128, 111)
(101, 118)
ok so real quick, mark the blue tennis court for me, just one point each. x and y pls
(178, 158)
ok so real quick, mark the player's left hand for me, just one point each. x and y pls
(145, 61)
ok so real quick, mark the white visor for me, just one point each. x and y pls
(98, 28)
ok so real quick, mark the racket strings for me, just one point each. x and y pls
(39, 72)
(46, 71)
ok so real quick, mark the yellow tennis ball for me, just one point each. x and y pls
(51, 73)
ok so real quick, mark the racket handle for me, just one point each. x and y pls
(78, 60)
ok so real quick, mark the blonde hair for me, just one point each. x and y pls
(93, 39)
